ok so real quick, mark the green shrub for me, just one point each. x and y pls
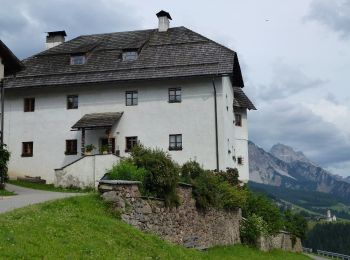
(162, 173)
(259, 205)
(231, 176)
(295, 224)
(126, 170)
(231, 197)
(190, 171)
(252, 228)
(4, 158)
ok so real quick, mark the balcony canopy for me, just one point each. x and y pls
(97, 120)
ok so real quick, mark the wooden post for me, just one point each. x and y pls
(82, 141)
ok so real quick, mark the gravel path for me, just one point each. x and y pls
(27, 197)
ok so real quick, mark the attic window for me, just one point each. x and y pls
(129, 55)
(78, 59)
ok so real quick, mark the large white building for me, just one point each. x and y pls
(169, 88)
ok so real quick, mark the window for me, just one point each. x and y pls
(129, 55)
(104, 142)
(240, 160)
(77, 59)
(174, 95)
(71, 147)
(72, 102)
(29, 104)
(131, 98)
(131, 141)
(238, 120)
(175, 142)
(27, 149)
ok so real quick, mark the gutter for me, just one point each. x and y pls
(216, 127)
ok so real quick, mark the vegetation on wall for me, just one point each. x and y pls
(4, 158)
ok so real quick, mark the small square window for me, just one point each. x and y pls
(240, 160)
(129, 55)
(238, 120)
(27, 149)
(77, 59)
(72, 102)
(175, 142)
(29, 104)
(131, 141)
(131, 98)
(71, 147)
(174, 95)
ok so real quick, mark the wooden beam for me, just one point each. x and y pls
(82, 141)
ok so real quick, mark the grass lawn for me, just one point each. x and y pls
(83, 228)
(6, 193)
(47, 187)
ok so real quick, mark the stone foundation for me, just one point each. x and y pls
(183, 225)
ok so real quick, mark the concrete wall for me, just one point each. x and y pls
(184, 225)
(152, 120)
(85, 172)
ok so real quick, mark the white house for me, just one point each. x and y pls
(169, 88)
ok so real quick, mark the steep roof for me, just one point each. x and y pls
(241, 99)
(11, 62)
(179, 52)
(98, 120)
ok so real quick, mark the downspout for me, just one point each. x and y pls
(2, 111)
(216, 127)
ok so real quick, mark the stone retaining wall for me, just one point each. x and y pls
(183, 225)
(283, 241)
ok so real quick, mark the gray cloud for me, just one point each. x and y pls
(23, 23)
(297, 126)
(286, 81)
(333, 14)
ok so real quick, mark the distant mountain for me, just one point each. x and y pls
(285, 168)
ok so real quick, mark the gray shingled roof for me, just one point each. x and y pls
(179, 52)
(241, 99)
(97, 120)
(11, 62)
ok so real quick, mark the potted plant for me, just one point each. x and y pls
(104, 149)
(89, 148)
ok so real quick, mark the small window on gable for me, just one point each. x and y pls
(72, 102)
(174, 95)
(77, 59)
(130, 55)
(29, 104)
(238, 120)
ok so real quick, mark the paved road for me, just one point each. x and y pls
(27, 197)
(316, 257)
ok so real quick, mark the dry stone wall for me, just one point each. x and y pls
(283, 240)
(183, 225)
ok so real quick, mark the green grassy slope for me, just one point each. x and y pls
(82, 228)
(6, 193)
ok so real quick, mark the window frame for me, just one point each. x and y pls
(71, 143)
(240, 160)
(24, 149)
(73, 103)
(73, 59)
(238, 119)
(130, 55)
(29, 104)
(134, 100)
(129, 146)
(177, 144)
(175, 98)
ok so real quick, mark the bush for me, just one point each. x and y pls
(190, 171)
(252, 228)
(126, 170)
(4, 158)
(231, 176)
(295, 224)
(162, 174)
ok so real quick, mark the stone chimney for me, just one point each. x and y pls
(164, 21)
(55, 38)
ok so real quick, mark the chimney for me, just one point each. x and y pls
(164, 21)
(55, 38)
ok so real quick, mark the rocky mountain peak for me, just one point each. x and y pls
(287, 154)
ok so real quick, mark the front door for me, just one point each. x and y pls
(104, 143)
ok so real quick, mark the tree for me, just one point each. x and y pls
(4, 158)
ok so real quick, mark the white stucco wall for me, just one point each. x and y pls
(241, 144)
(152, 120)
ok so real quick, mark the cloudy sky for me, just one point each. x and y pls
(295, 57)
